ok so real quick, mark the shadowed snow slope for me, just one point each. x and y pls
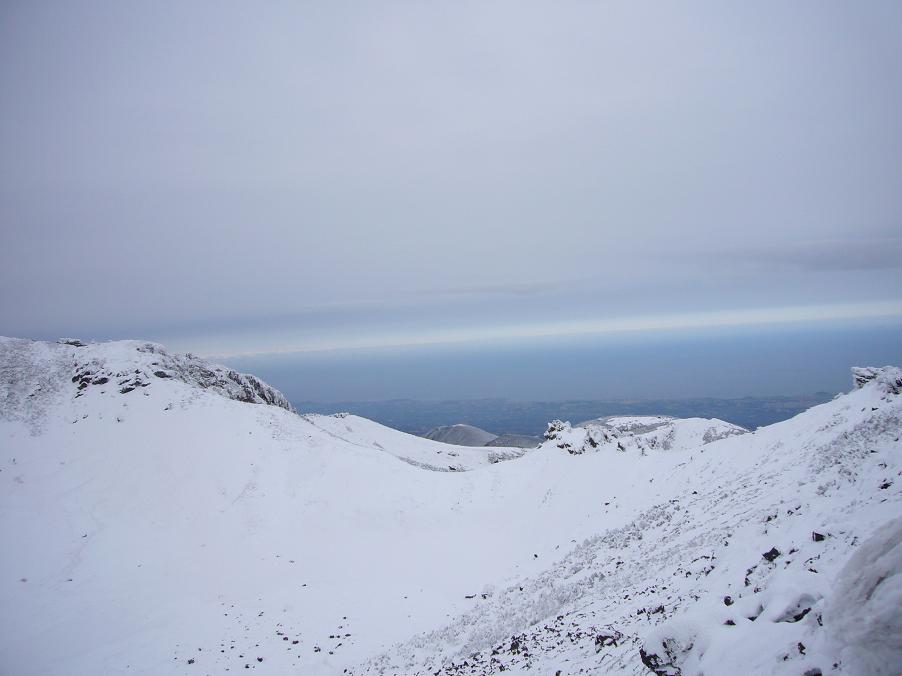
(462, 435)
(467, 435)
(190, 523)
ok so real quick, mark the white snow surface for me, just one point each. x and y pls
(193, 526)
(863, 615)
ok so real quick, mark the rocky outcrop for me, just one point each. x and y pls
(888, 378)
(638, 433)
(195, 371)
(577, 440)
(32, 373)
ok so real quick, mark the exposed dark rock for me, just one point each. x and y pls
(605, 640)
(799, 616)
(657, 665)
(555, 428)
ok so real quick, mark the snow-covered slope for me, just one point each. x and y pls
(461, 435)
(733, 557)
(176, 528)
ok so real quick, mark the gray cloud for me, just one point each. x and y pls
(181, 169)
(509, 289)
(864, 254)
(834, 255)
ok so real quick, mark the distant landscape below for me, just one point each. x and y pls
(504, 416)
(749, 377)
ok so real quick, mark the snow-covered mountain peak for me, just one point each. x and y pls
(35, 373)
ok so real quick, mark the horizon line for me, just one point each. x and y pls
(781, 315)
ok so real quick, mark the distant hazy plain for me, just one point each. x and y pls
(724, 363)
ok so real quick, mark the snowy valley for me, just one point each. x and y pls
(164, 515)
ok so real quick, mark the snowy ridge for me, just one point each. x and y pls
(639, 433)
(438, 456)
(175, 529)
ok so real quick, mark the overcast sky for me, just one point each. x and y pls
(235, 178)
